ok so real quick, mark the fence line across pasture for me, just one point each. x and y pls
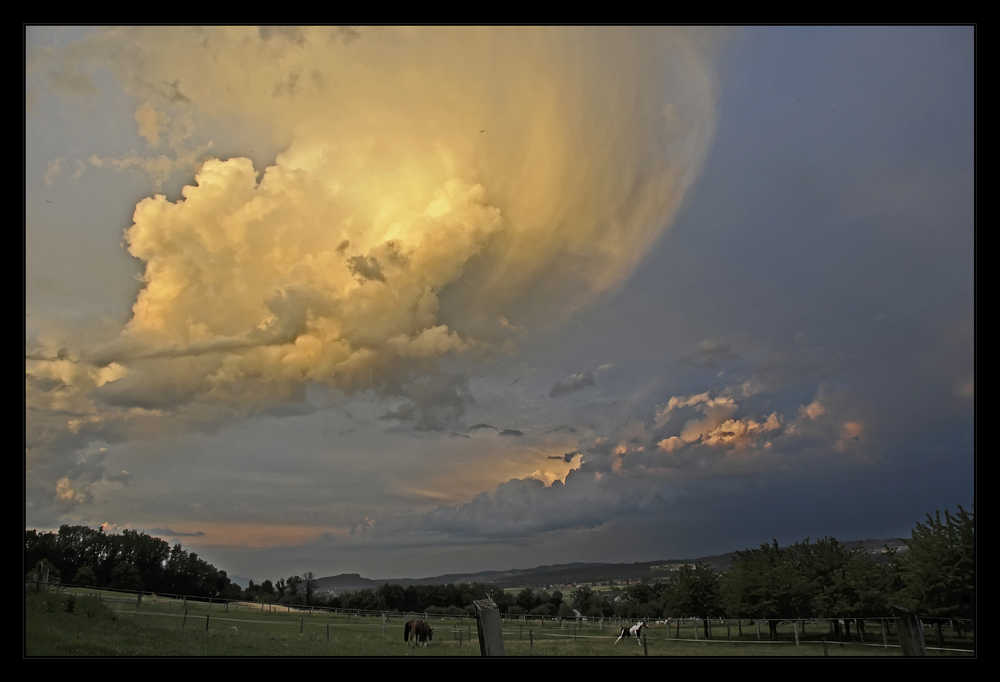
(510, 633)
(543, 623)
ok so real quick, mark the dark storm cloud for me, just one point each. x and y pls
(433, 402)
(366, 268)
(174, 533)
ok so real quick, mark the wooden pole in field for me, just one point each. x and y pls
(826, 649)
(885, 640)
(757, 623)
(911, 633)
(795, 627)
(490, 627)
(184, 622)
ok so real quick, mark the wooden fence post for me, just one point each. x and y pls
(826, 649)
(911, 632)
(885, 640)
(795, 628)
(490, 627)
(757, 623)
(184, 622)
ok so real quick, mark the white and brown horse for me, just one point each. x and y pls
(418, 632)
(634, 631)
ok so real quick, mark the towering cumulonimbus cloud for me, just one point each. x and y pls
(440, 191)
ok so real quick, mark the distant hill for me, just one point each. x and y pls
(561, 575)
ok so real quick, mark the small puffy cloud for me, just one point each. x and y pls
(719, 405)
(52, 170)
(568, 457)
(710, 353)
(511, 432)
(813, 410)
(671, 444)
(152, 123)
(850, 435)
(575, 383)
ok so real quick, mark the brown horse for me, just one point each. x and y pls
(418, 632)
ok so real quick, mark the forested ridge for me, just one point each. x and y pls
(810, 579)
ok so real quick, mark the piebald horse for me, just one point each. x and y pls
(634, 631)
(418, 632)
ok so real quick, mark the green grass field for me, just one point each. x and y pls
(159, 627)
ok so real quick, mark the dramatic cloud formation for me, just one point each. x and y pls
(347, 262)
(360, 291)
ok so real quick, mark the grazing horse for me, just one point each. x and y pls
(634, 631)
(418, 632)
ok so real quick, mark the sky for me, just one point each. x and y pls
(413, 301)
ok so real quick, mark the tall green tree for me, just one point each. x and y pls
(939, 568)
(695, 592)
(765, 583)
(842, 581)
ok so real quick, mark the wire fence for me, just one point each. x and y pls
(825, 632)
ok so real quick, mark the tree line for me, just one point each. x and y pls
(821, 579)
(132, 560)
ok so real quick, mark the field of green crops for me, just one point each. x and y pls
(95, 626)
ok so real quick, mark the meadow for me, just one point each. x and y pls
(90, 624)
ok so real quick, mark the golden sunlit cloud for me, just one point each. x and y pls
(440, 188)
(440, 192)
